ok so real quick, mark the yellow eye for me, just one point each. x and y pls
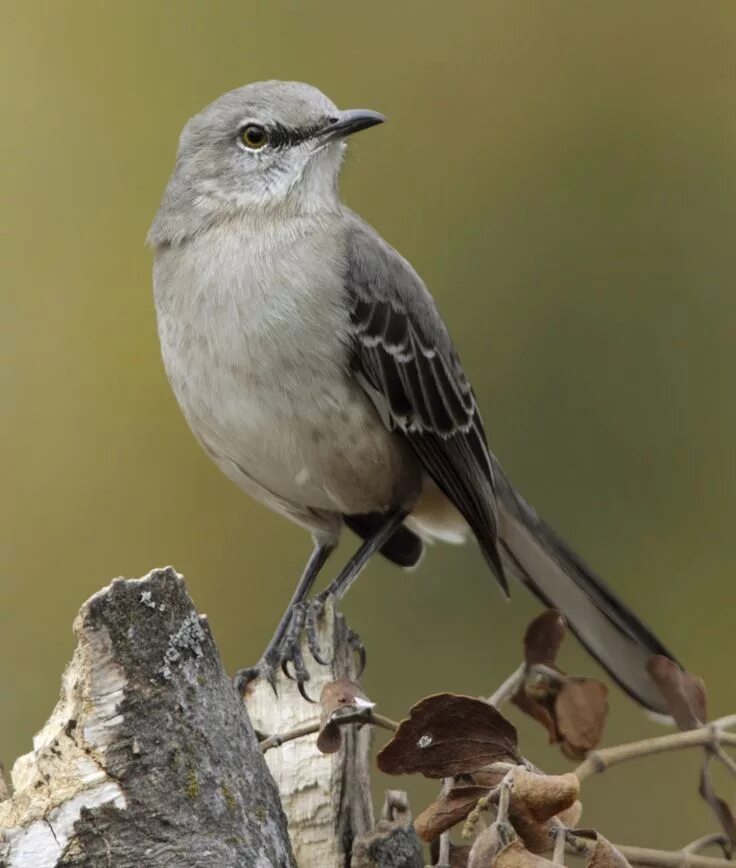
(254, 137)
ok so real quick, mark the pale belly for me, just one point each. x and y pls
(290, 426)
(254, 340)
(323, 447)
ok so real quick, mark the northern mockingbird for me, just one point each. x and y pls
(314, 368)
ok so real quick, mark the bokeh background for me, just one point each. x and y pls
(562, 174)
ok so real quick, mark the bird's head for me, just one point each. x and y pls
(268, 148)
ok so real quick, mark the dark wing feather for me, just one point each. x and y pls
(403, 355)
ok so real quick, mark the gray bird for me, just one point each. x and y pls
(312, 365)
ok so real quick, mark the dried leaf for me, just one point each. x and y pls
(571, 817)
(534, 835)
(535, 800)
(482, 778)
(719, 806)
(337, 695)
(543, 637)
(580, 711)
(684, 693)
(545, 795)
(447, 810)
(446, 735)
(605, 855)
(485, 848)
(459, 855)
(515, 855)
(534, 708)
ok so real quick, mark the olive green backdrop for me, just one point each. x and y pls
(562, 174)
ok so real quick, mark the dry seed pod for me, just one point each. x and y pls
(581, 708)
(536, 836)
(515, 855)
(605, 855)
(340, 694)
(571, 817)
(447, 810)
(545, 795)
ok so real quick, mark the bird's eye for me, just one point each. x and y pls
(254, 136)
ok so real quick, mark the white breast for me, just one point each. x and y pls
(253, 329)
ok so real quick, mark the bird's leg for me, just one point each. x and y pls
(282, 640)
(341, 585)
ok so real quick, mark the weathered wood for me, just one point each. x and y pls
(393, 843)
(327, 799)
(149, 758)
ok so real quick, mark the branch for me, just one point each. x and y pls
(655, 858)
(509, 687)
(712, 736)
(363, 715)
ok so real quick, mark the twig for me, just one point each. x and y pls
(362, 715)
(277, 740)
(560, 840)
(716, 839)
(443, 859)
(720, 754)
(711, 735)
(656, 858)
(504, 796)
(508, 688)
(549, 673)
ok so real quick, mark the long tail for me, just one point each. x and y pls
(608, 629)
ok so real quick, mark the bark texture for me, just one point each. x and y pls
(149, 758)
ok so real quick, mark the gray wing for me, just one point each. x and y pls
(403, 356)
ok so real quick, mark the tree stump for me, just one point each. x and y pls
(149, 758)
(327, 798)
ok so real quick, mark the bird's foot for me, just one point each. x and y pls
(287, 654)
(314, 611)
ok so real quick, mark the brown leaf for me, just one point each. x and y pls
(571, 817)
(482, 778)
(719, 806)
(337, 695)
(485, 848)
(543, 637)
(534, 708)
(515, 855)
(459, 855)
(446, 735)
(605, 855)
(534, 835)
(447, 810)
(684, 693)
(545, 795)
(580, 711)
(535, 800)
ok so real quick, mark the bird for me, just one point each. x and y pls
(314, 368)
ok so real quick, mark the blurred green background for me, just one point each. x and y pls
(562, 174)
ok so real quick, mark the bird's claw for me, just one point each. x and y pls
(314, 612)
(304, 620)
(356, 643)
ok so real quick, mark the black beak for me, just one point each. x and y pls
(348, 122)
